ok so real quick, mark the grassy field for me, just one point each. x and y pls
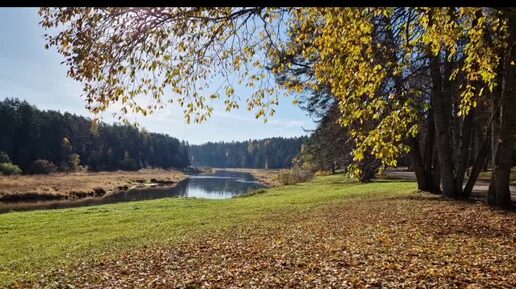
(78, 184)
(326, 233)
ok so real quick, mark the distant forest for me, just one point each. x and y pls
(29, 135)
(270, 153)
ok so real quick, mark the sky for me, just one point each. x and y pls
(31, 72)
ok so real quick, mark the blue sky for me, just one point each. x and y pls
(29, 71)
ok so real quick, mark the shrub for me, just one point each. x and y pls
(294, 176)
(4, 157)
(74, 161)
(9, 169)
(43, 167)
(128, 164)
(323, 173)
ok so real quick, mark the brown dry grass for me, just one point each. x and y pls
(268, 177)
(80, 184)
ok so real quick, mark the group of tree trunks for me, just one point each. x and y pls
(486, 135)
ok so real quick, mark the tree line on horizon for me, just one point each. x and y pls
(268, 153)
(39, 141)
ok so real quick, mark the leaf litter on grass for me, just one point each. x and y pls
(414, 242)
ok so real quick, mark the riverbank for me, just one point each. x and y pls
(62, 186)
(331, 232)
(268, 177)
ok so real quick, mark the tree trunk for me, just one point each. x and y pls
(479, 163)
(436, 172)
(441, 108)
(417, 162)
(496, 96)
(507, 132)
(462, 161)
(428, 159)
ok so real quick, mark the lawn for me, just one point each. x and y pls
(330, 232)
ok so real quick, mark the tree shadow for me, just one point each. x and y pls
(440, 198)
(392, 180)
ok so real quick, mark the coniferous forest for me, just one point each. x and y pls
(39, 141)
(269, 153)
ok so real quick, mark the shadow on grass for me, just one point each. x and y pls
(429, 197)
(382, 180)
(444, 217)
(252, 193)
(392, 180)
(345, 182)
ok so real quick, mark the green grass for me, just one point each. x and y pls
(31, 242)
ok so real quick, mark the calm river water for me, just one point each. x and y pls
(218, 185)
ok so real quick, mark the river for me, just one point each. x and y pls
(218, 185)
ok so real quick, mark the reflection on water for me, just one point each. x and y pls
(218, 185)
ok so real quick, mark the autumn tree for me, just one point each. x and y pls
(166, 55)
(404, 66)
(503, 103)
(74, 160)
(355, 56)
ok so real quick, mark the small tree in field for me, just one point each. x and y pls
(74, 160)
